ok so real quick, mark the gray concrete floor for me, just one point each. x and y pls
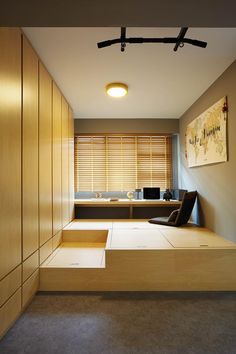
(129, 323)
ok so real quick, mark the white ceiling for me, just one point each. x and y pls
(162, 83)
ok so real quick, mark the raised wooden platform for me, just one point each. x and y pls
(125, 255)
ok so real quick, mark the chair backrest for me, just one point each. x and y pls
(186, 208)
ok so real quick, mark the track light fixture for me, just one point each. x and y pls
(179, 41)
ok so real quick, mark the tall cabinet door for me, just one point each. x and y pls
(10, 149)
(71, 164)
(65, 163)
(45, 155)
(30, 151)
(56, 160)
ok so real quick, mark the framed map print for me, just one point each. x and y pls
(206, 136)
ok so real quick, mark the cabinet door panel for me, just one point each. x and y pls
(71, 164)
(30, 151)
(65, 163)
(10, 149)
(9, 312)
(56, 160)
(45, 155)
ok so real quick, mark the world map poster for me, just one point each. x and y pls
(206, 136)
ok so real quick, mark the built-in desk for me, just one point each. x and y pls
(130, 206)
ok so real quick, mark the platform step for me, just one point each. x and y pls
(84, 235)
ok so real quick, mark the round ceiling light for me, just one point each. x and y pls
(117, 89)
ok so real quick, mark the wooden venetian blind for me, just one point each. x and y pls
(122, 163)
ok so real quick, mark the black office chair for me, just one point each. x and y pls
(180, 216)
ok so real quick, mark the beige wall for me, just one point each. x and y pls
(215, 183)
(126, 126)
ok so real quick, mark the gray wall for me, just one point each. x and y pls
(215, 183)
(126, 126)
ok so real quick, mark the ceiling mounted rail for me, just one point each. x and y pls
(179, 41)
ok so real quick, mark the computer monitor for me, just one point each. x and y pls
(151, 193)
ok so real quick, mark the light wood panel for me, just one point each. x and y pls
(138, 239)
(56, 160)
(9, 312)
(10, 149)
(85, 235)
(29, 288)
(45, 251)
(78, 255)
(71, 165)
(30, 265)
(141, 260)
(10, 284)
(65, 163)
(56, 240)
(195, 238)
(126, 202)
(149, 270)
(45, 154)
(30, 151)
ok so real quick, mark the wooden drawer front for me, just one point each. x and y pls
(10, 284)
(30, 265)
(9, 312)
(29, 288)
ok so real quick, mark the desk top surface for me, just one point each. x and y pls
(106, 201)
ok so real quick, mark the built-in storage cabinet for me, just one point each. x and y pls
(30, 206)
(10, 149)
(31, 171)
(45, 155)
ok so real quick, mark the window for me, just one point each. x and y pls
(122, 163)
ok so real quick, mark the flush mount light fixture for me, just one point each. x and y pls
(117, 89)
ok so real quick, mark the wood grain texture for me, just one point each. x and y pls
(56, 160)
(126, 202)
(30, 151)
(71, 165)
(65, 163)
(45, 251)
(144, 260)
(78, 255)
(195, 238)
(85, 235)
(10, 284)
(149, 270)
(45, 154)
(29, 288)
(30, 265)
(56, 240)
(9, 312)
(10, 149)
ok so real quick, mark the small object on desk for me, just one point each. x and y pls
(114, 200)
(98, 195)
(137, 191)
(130, 195)
(167, 195)
(151, 192)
